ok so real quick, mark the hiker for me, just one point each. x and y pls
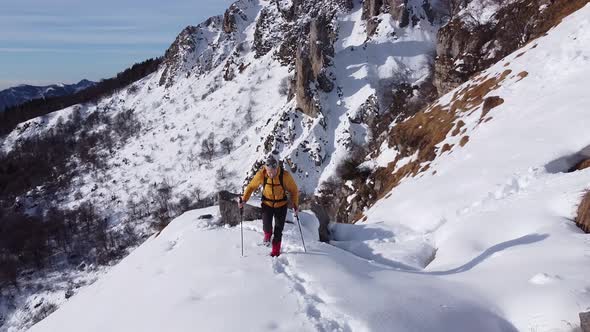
(276, 182)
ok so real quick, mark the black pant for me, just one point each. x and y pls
(279, 214)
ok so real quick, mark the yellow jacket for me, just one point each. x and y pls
(272, 192)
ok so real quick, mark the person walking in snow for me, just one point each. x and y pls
(276, 183)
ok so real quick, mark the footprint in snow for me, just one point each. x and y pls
(543, 279)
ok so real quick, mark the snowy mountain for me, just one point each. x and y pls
(23, 93)
(429, 128)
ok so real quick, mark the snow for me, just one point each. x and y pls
(501, 203)
(481, 12)
(192, 276)
(175, 120)
(36, 298)
(365, 67)
(483, 241)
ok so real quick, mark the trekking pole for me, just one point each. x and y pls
(300, 232)
(241, 227)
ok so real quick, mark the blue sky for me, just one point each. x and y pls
(44, 42)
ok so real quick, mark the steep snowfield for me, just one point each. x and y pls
(500, 209)
(192, 277)
(369, 67)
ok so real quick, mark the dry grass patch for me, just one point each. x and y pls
(446, 147)
(488, 104)
(424, 131)
(457, 130)
(522, 75)
(556, 12)
(582, 165)
(472, 96)
(464, 141)
(420, 134)
(392, 178)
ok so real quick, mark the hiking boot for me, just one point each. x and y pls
(276, 249)
(266, 240)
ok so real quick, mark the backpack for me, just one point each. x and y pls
(281, 173)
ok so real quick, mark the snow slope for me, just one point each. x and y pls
(482, 241)
(192, 277)
(500, 209)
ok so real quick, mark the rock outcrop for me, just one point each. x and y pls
(199, 49)
(184, 45)
(314, 55)
(324, 220)
(585, 321)
(472, 41)
(305, 94)
(403, 12)
(265, 35)
(229, 18)
(230, 212)
(583, 217)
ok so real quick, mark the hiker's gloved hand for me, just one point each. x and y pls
(241, 203)
(296, 211)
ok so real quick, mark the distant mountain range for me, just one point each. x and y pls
(23, 93)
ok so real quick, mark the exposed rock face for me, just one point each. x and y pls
(313, 57)
(470, 43)
(367, 112)
(414, 133)
(324, 219)
(404, 100)
(265, 36)
(321, 40)
(583, 217)
(229, 21)
(196, 51)
(185, 44)
(371, 8)
(287, 24)
(402, 11)
(229, 18)
(585, 321)
(199, 49)
(302, 34)
(305, 96)
(398, 9)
